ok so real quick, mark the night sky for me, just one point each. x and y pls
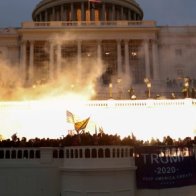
(165, 12)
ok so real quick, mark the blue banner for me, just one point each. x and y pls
(159, 168)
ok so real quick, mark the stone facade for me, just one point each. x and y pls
(117, 39)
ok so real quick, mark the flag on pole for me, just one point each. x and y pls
(78, 124)
(70, 117)
(81, 125)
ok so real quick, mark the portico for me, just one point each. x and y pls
(137, 57)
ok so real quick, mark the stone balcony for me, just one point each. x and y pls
(82, 24)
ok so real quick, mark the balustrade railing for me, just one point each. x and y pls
(64, 24)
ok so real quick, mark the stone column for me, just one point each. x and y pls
(23, 63)
(147, 58)
(31, 62)
(58, 69)
(51, 61)
(155, 60)
(127, 56)
(119, 58)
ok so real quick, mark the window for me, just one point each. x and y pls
(179, 70)
(178, 52)
(13, 154)
(114, 153)
(87, 153)
(55, 154)
(107, 153)
(80, 153)
(37, 154)
(26, 154)
(100, 153)
(7, 154)
(76, 153)
(94, 153)
(61, 154)
(31, 154)
(1, 154)
(122, 152)
(19, 154)
(67, 153)
(72, 153)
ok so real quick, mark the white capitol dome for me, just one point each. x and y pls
(66, 10)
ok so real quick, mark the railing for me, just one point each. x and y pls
(84, 152)
(19, 153)
(91, 152)
(142, 103)
(88, 152)
(80, 24)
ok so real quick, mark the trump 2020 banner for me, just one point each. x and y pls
(170, 167)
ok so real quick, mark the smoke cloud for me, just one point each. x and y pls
(73, 79)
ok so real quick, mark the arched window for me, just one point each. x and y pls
(31, 155)
(94, 153)
(61, 154)
(7, 154)
(13, 154)
(100, 153)
(76, 153)
(1, 154)
(87, 153)
(122, 152)
(19, 154)
(107, 153)
(80, 153)
(26, 154)
(113, 152)
(126, 152)
(118, 153)
(67, 153)
(72, 154)
(131, 152)
(55, 154)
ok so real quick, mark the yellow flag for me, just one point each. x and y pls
(81, 125)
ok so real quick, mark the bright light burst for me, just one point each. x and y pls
(47, 118)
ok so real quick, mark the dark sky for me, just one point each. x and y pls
(165, 12)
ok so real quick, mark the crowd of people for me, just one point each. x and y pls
(87, 139)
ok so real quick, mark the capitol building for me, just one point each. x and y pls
(107, 43)
(109, 34)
